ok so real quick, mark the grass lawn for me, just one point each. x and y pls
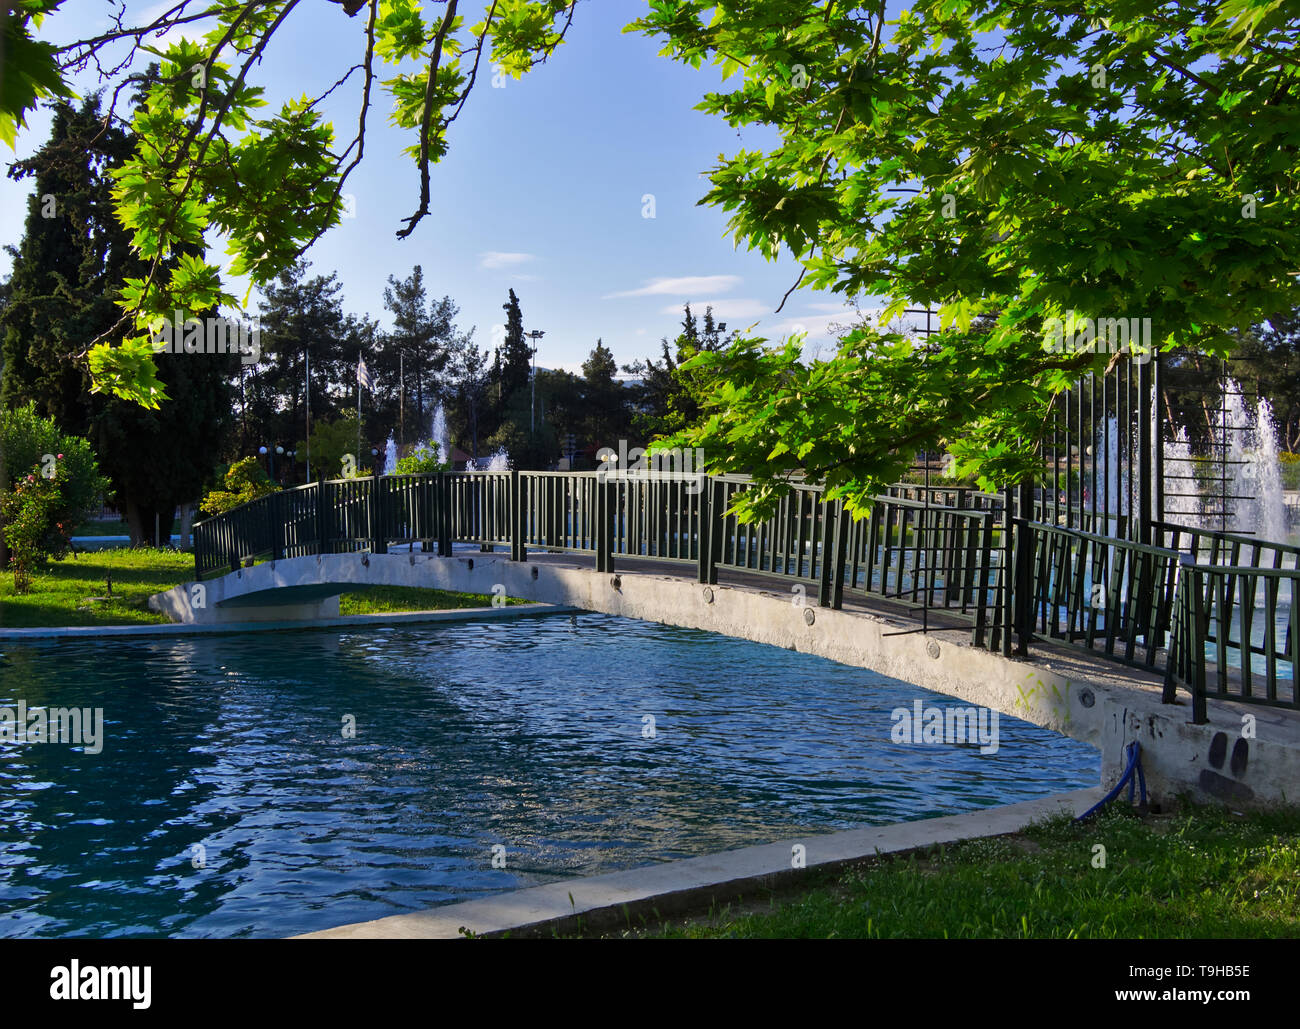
(384, 599)
(75, 591)
(1199, 873)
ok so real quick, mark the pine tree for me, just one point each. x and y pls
(605, 413)
(516, 354)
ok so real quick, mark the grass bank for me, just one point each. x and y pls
(112, 587)
(1201, 873)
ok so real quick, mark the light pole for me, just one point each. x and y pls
(535, 335)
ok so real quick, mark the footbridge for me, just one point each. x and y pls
(1185, 644)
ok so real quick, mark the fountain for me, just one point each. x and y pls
(438, 434)
(390, 456)
(1182, 501)
(1246, 443)
(498, 462)
(1255, 473)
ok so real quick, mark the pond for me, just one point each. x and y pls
(266, 784)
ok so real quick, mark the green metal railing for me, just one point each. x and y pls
(1105, 594)
(1190, 609)
(1217, 632)
(908, 552)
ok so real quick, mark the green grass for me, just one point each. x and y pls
(387, 599)
(1201, 873)
(74, 591)
(63, 592)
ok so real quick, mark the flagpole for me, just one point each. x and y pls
(359, 360)
(307, 352)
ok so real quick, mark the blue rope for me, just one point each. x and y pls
(1133, 781)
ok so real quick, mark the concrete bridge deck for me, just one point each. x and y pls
(1247, 756)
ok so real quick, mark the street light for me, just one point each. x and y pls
(535, 335)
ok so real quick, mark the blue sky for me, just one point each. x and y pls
(542, 191)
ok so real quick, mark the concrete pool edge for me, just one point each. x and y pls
(461, 614)
(693, 884)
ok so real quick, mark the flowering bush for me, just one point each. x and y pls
(36, 521)
(29, 442)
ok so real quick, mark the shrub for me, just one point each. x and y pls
(1290, 470)
(244, 481)
(422, 460)
(28, 442)
(37, 525)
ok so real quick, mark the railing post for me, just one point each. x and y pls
(1006, 570)
(442, 514)
(1196, 646)
(518, 552)
(842, 520)
(830, 535)
(275, 511)
(1023, 593)
(605, 525)
(375, 511)
(322, 517)
(709, 531)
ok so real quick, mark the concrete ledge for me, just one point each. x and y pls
(606, 901)
(460, 614)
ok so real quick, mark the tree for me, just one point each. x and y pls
(418, 350)
(1269, 364)
(468, 412)
(669, 399)
(331, 441)
(1030, 162)
(978, 156)
(68, 269)
(301, 319)
(605, 418)
(516, 355)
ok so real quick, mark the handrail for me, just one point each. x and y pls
(1141, 604)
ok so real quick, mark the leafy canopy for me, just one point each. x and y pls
(1004, 162)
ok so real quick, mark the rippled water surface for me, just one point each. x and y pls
(530, 733)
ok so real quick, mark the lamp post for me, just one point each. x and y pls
(269, 454)
(535, 335)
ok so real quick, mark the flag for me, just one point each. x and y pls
(363, 376)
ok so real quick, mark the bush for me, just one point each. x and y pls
(54, 484)
(1290, 470)
(36, 522)
(31, 444)
(420, 461)
(244, 481)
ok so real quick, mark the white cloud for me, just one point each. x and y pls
(684, 286)
(724, 309)
(495, 259)
(832, 307)
(813, 324)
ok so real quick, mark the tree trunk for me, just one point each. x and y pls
(187, 522)
(140, 523)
